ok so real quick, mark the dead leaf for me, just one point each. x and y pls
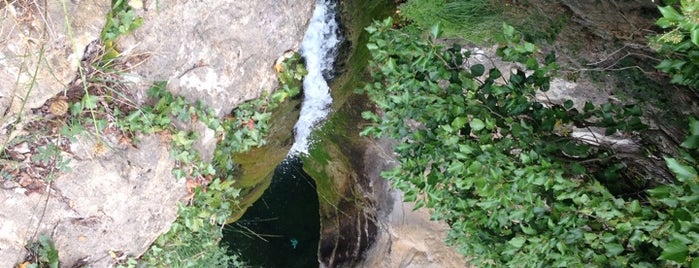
(25, 179)
(58, 107)
(99, 148)
(251, 124)
(125, 140)
(195, 118)
(165, 136)
(191, 185)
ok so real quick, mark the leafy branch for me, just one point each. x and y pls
(501, 167)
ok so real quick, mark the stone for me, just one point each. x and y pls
(219, 52)
(41, 50)
(120, 201)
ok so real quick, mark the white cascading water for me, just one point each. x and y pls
(319, 49)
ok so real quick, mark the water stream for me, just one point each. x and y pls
(319, 49)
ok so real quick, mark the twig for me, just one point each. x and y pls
(253, 232)
(43, 212)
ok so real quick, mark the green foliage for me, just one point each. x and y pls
(457, 17)
(121, 20)
(251, 119)
(477, 20)
(193, 240)
(500, 166)
(43, 254)
(680, 44)
(48, 254)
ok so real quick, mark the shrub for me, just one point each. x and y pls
(500, 167)
(680, 44)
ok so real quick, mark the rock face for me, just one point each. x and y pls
(120, 198)
(40, 52)
(119, 201)
(407, 238)
(220, 52)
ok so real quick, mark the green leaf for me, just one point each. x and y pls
(456, 167)
(683, 172)
(89, 101)
(692, 142)
(529, 47)
(693, 126)
(508, 30)
(664, 23)
(695, 36)
(517, 242)
(527, 230)
(477, 124)
(370, 116)
(613, 249)
(436, 31)
(670, 13)
(676, 251)
(477, 70)
(660, 191)
(459, 122)
(568, 104)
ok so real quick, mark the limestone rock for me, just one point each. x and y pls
(41, 49)
(219, 52)
(120, 201)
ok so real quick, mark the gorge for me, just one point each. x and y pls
(343, 196)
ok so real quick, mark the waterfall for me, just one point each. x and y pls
(319, 49)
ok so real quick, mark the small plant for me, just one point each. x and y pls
(42, 254)
(121, 20)
(680, 44)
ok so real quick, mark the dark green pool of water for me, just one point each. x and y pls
(282, 228)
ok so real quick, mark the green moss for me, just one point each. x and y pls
(257, 163)
(249, 197)
(325, 163)
(336, 155)
(255, 167)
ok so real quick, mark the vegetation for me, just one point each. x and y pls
(501, 166)
(193, 240)
(477, 20)
(680, 44)
(43, 254)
